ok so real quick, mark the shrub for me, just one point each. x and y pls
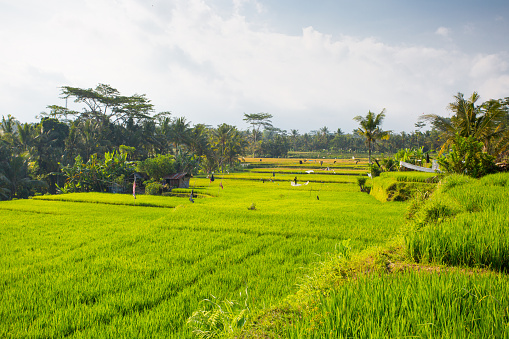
(466, 157)
(157, 167)
(361, 181)
(153, 188)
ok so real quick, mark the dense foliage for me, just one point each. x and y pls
(33, 155)
(98, 175)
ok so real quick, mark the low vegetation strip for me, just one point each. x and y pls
(288, 177)
(114, 199)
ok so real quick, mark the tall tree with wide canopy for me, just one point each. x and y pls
(107, 119)
(104, 103)
(257, 121)
(369, 128)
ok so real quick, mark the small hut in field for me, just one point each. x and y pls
(177, 180)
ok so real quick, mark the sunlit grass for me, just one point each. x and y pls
(464, 223)
(96, 265)
(411, 304)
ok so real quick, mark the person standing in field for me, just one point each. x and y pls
(295, 180)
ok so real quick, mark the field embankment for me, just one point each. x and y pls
(401, 186)
(445, 280)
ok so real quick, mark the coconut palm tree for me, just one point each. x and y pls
(369, 128)
(294, 136)
(179, 132)
(199, 143)
(235, 146)
(15, 181)
(221, 136)
(25, 135)
(487, 123)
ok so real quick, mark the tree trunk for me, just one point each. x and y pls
(369, 152)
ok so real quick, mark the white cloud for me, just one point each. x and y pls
(240, 5)
(488, 65)
(212, 67)
(443, 31)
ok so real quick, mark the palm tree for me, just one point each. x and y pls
(15, 181)
(294, 135)
(221, 135)
(180, 132)
(7, 129)
(199, 143)
(162, 132)
(25, 135)
(369, 128)
(235, 146)
(486, 122)
(7, 125)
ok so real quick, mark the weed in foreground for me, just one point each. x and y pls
(219, 317)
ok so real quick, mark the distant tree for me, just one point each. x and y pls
(278, 146)
(162, 132)
(369, 128)
(105, 103)
(180, 132)
(186, 161)
(25, 135)
(257, 121)
(198, 141)
(7, 125)
(49, 149)
(338, 140)
(15, 181)
(228, 144)
(221, 136)
(8, 128)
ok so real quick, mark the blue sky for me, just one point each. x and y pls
(476, 24)
(309, 63)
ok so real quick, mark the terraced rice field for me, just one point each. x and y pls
(96, 265)
(104, 265)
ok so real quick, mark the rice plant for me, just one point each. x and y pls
(410, 304)
(96, 265)
(464, 223)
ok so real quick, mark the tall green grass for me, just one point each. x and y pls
(464, 223)
(411, 304)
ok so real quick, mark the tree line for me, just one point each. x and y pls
(33, 156)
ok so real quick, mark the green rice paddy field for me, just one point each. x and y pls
(89, 265)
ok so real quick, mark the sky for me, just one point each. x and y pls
(308, 63)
